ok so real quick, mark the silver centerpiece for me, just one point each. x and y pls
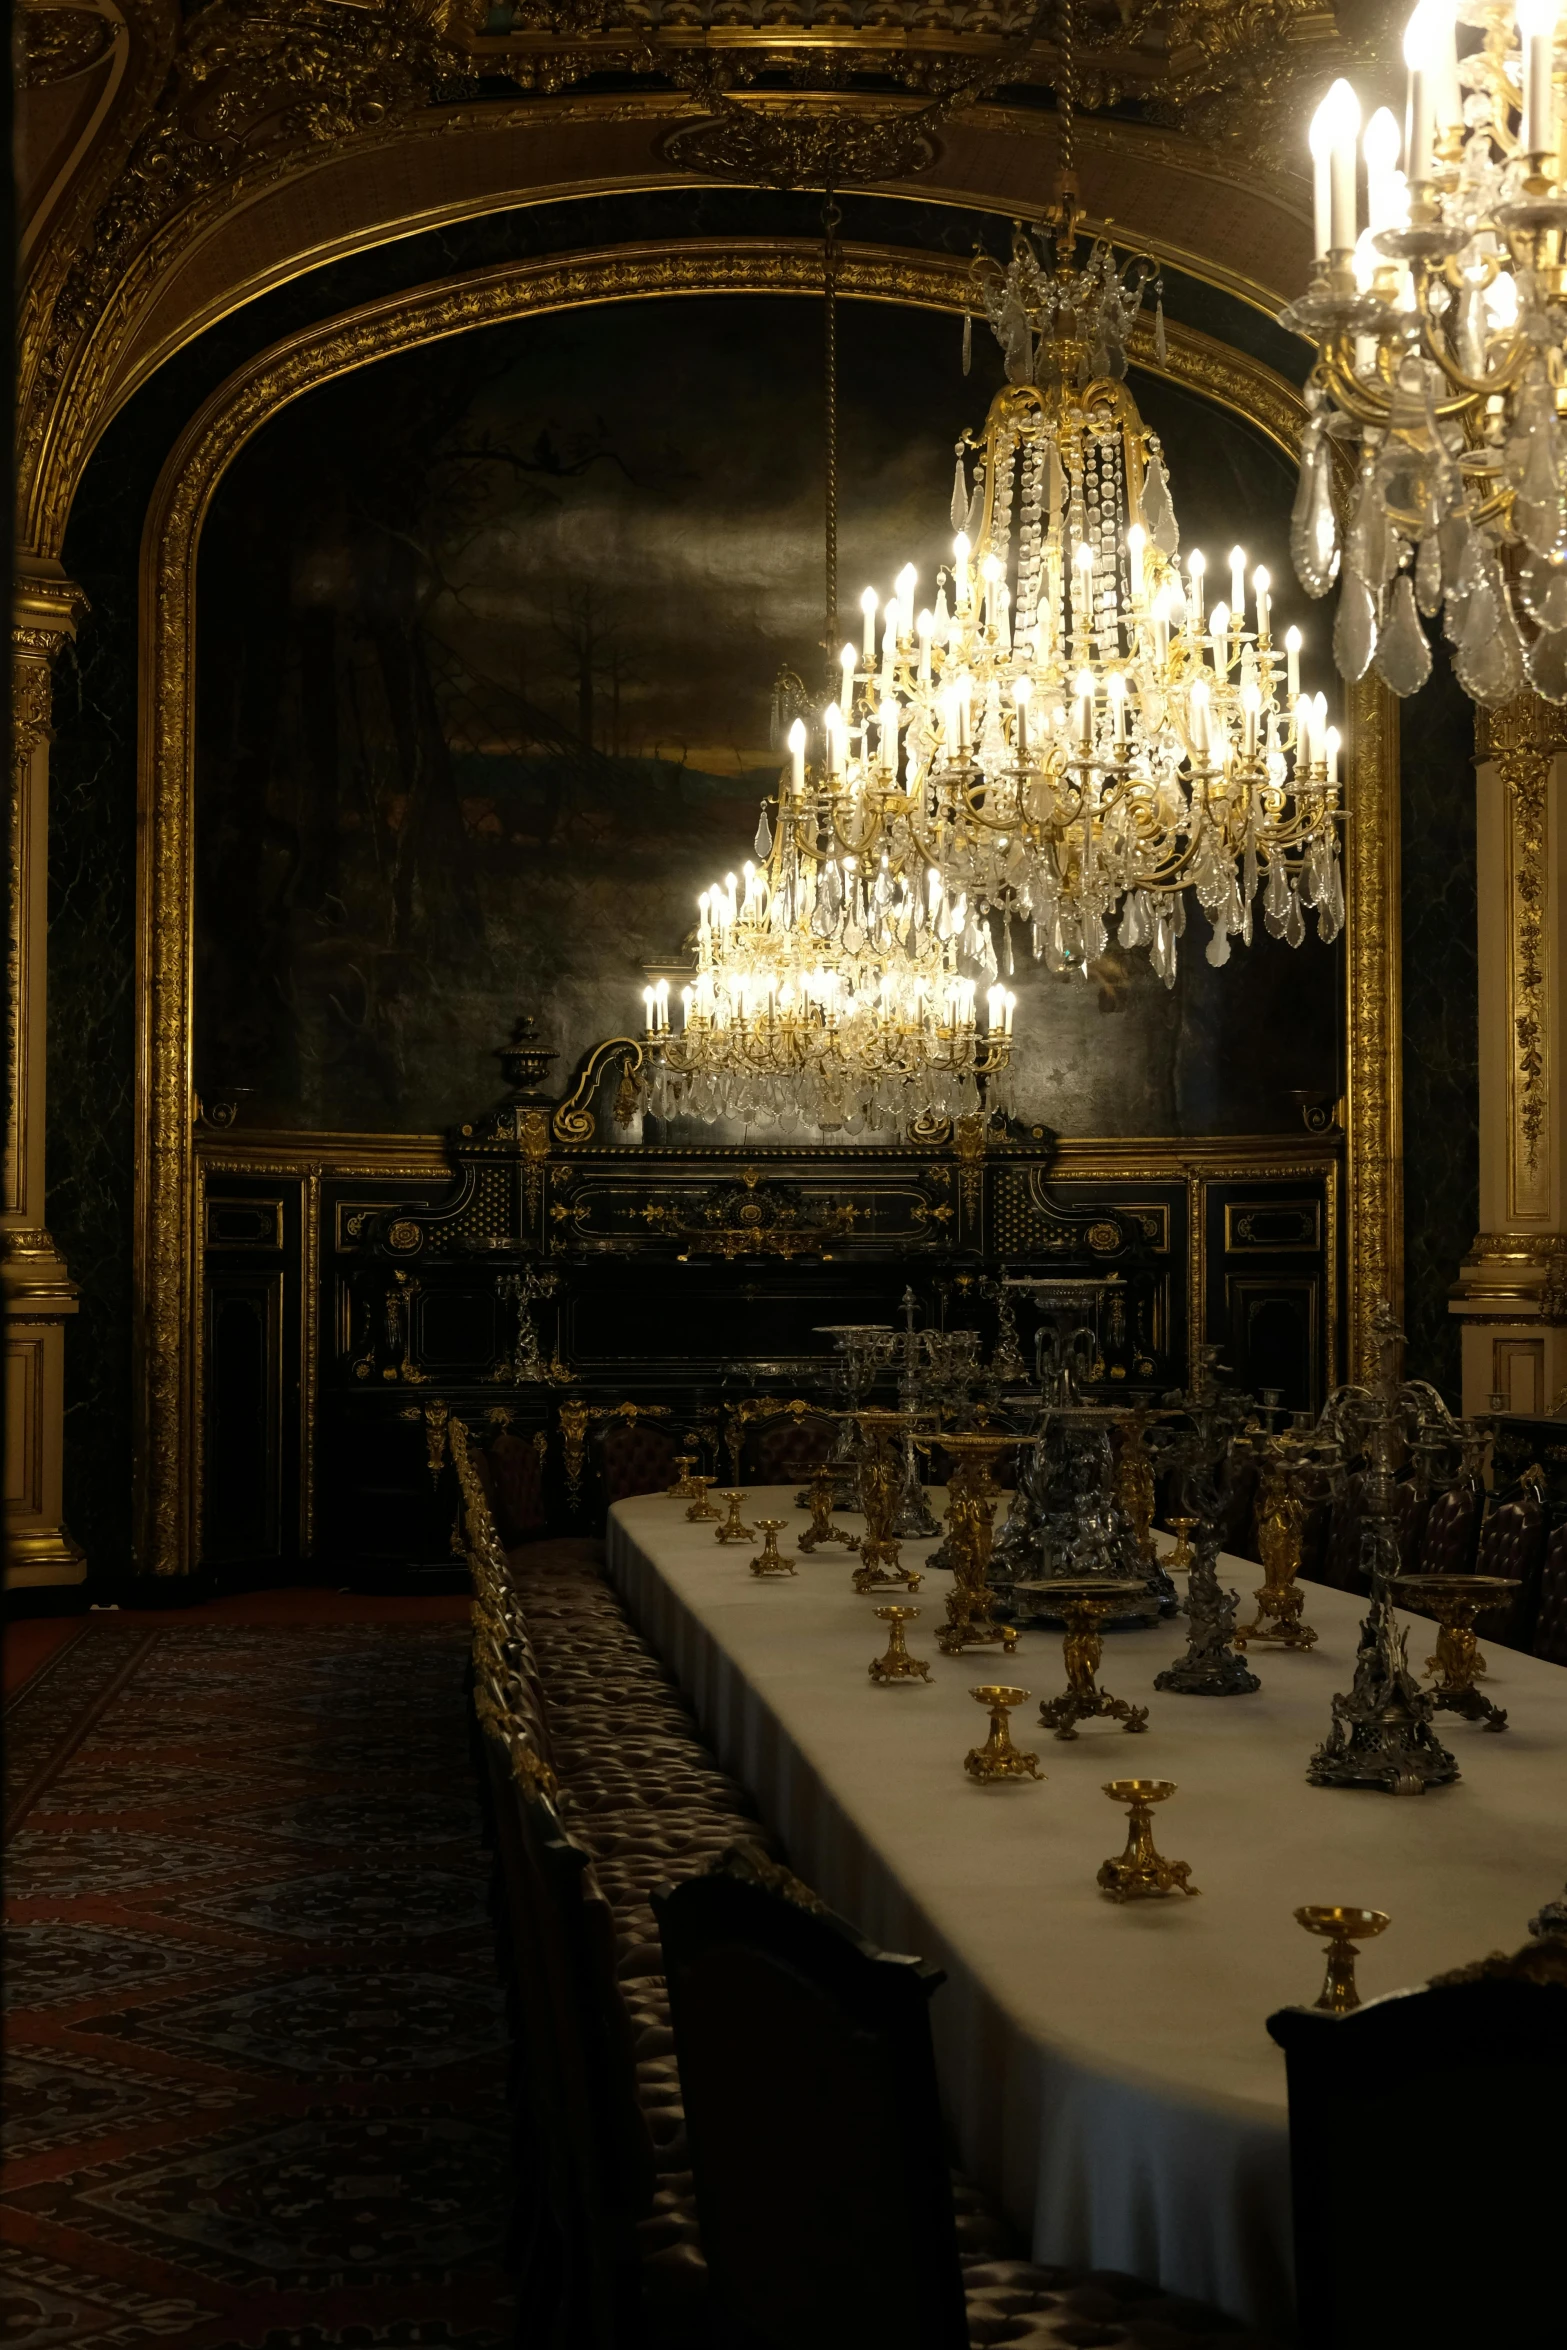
(1201, 1443)
(1067, 1523)
(1382, 1734)
(862, 1349)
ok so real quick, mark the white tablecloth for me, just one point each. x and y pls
(1105, 2068)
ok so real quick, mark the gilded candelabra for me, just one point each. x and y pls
(1085, 1607)
(1342, 1929)
(1292, 1475)
(1140, 1872)
(862, 1350)
(1455, 1601)
(896, 1664)
(971, 1513)
(998, 1758)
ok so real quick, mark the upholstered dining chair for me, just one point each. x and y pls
(809, 2082)
(1447, 2245)
(512, 1476)
(1512, 1542)
(1451, 1530)
(633, 1456)
(783, 1448)
(1550, 1621)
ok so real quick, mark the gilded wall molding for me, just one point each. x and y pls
(166, 1246)
(1522, 741)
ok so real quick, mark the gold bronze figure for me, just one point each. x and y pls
(1281, 1524)
(820, 1503)
(881, 1565)
(1085, 1607)
(971, 1517)
(1455, 1601)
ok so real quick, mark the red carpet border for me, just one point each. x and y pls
(256, 2053)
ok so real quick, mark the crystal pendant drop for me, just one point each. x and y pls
(1158, 513)
(1354, 627)
(1488, 658)
(1428, 574)
(1313, 525)
(1542, 589)
(1546, 662)
(1403, 656)
(959, 507)
(764, 836)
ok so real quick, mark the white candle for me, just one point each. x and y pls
(661, 1004)
(1020, 694)
(1292, 662)
(889, 736)
(868, 608)
(797, 755)
(1380, 147)
(1260, 584)
(1537, 38)
(832, 720)
(906, 582)
(1219, 637)
(1320, 140)
(1251, 711)
(1344, 132)
(1319, 729)
(1238, 586)
(1195, 567)
(1332, 740)
(1197, 719)
(926, 630)
(1115, 687)
(1083, 688)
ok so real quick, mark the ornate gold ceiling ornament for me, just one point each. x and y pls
(775, 143)
(56, 44)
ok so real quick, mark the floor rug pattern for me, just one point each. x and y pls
(256, 2053)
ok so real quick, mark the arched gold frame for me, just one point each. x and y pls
(167, 1450)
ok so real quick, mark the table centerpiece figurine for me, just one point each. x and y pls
(1455, 1601)
(684, 1487)
(1197, 1441)
(862, 1349)
(819, 1502)
(881, 1565)
(1085, 1607)
(771, 1560)
(971, 1515)
(702, 1508)
(1381, 1733)
(732, 1530)
(1085, 1485)
(1140, 1872)
(917, 1354)
(897, 1664)
(1178, 1561)
(998, 1758)
(1291, 1477)
(1343, 1929)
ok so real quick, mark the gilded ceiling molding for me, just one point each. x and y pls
(1374, 1017)
(168, 1501)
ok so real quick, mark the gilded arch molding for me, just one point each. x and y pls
(168, 1454)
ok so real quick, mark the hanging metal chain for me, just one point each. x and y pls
(1066, 98)
(831, 221)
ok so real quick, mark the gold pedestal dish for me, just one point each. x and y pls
(998, 1758)
(1455, 1601)
(702, 1509)
(771, 1560)
(732, 1530)
(685, 1486)
(897, 1664)
(1182, 1555)
(1140, 1871)
(819, 1500)
(1342, 1929)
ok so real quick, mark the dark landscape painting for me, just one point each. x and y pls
(488, 636)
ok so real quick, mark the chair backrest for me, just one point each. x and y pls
(1550, 1619)
(822, 2187)
(1447, 2244)
(1512, 1542)
(1447, 1541)
(634, 1456)
(782, 1448)
(512, 1475)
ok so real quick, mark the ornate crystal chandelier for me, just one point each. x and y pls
(1440, 315)
(1072, 732)
(830, 987)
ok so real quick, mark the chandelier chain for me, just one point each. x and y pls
(831, 220)
(1066, 97)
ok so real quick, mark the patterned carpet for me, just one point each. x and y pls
(256, 2054)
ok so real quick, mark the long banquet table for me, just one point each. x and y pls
(1105, 2068)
